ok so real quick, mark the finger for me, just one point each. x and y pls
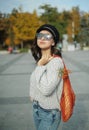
(51, 58)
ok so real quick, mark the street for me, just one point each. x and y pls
(15, 106)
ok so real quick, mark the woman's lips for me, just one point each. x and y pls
(42, 42)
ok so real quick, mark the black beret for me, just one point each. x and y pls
(51, 29)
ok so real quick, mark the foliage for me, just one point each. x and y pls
(3, 27)
(24, 50)
(63, 21)
(19, 27)
(73, 27)
(24, 26)
(52, 16)
(84, 33)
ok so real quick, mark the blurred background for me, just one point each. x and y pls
(19, 19)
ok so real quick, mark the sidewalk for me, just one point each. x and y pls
(78, 63)
(15, 106)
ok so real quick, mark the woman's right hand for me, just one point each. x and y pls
(45, 59)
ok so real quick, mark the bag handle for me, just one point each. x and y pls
(65, 70)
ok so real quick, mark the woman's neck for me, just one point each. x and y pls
(46, 52)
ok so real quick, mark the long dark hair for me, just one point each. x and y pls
(36, 51)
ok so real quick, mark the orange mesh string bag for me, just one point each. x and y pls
(68, 97)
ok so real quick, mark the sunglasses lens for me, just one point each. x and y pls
(45, 36)
(39, 35)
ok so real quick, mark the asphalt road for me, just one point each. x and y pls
(15, 106)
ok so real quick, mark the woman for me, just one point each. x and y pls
(46, 82)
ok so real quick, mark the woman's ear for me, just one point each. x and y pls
(53, 44)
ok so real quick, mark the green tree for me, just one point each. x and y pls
(52, 16)
(3, 28)
(84, 32)
(65, 18)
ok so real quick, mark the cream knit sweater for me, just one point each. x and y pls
(46, 84)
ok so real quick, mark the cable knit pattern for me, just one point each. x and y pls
(46, 84)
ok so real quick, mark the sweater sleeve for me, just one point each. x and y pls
(47, 77)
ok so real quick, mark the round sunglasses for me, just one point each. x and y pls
(47, 37)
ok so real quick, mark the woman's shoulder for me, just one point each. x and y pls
(57, 58)
(56, 61)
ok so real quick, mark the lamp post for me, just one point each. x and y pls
(73, 30)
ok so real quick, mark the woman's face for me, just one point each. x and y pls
(45, 40)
